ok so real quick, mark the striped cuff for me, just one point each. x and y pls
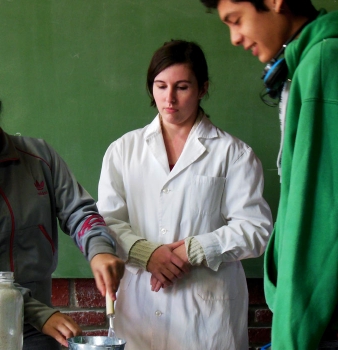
(194, 250)
(141, 251)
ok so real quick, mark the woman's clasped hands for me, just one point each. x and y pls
(168, 263)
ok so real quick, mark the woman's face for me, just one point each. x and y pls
(176, 94)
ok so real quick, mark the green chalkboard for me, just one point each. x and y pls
(73, 72)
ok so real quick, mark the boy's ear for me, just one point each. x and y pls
(278, 5)
(274, 5)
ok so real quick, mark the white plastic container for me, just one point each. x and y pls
(11, 314)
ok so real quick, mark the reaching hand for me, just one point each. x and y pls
(166, 266)
(61, 327)
(108, 270)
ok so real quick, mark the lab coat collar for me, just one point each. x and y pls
(153, 137)
(193, 148)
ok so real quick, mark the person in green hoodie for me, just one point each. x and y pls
(301, 262)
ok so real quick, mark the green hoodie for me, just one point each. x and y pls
(301, 261)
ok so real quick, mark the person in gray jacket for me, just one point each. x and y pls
(37, 189)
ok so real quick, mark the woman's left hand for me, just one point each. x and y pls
(181, 252)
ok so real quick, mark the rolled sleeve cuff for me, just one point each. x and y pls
(141, 252)
(212, 250)
(194, 251)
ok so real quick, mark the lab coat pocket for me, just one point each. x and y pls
(218, 285)
(206, 194)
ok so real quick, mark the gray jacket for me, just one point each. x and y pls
(37, 190)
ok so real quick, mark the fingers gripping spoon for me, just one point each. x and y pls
(110, 311)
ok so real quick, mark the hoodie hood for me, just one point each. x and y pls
(323, 27)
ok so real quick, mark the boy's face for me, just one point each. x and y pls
(264, 32)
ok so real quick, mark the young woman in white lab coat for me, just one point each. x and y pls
(184, 201)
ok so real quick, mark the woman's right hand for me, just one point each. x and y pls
(165, 266)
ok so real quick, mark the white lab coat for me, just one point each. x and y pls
(214, 192)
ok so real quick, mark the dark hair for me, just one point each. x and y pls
(177, 52)
(259, 4)
(297, 7)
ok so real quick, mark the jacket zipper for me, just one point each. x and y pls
(12, 230)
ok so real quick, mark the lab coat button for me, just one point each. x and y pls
(158, 313)
(165, 190)
(163, 230)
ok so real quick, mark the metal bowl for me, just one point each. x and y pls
(95, 342)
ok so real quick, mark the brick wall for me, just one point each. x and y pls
(260, 317)
(80, 299)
